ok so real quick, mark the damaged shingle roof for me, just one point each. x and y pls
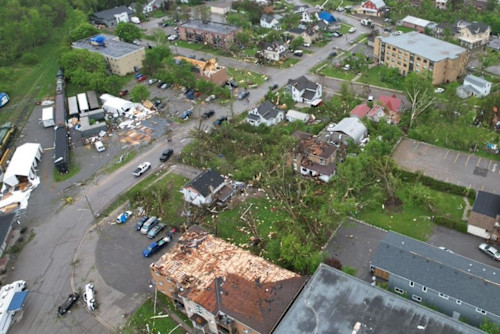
(205, 182)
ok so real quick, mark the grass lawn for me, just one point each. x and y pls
(334, 72)
(198, 47)
(344, 28)
(120, 161)
(244, 77)
(360, 38)
(142, 317)
(73, 170)
(372, 77)
(414, 220)
(404, 29)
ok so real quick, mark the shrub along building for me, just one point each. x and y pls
(215, 34)
(455, 285)
(222, 288)
(443, 62)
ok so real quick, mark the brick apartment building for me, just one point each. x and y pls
(212, 33)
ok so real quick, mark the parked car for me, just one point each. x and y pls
(159, 84)
(220, 120)
(332, 54)
(153, 232)
(298, 53)
(210, 98)
(89, 297)
(142, 78)
(352, 29)
(142, 168)
(148, 225)
(273, 87)
(208, 114)
(346, 67)
(439, 90)
(123, 217)
(307, 45)
(68, 303)
(166, 155)
(490, 251)
(164, 24)
(99, 146)
(165, 85)
(173, 37)
(446, 249)
(231, 84)
(123, 92)
(190, 94)
(187, 113)
(337, 34)
(155, 246)
(140, 222)
(152, 81)
(340, 9)
(370, 98)
(243, 94)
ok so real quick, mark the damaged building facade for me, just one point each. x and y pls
(222, 288)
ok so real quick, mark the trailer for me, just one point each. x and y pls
(61, 151)
(60, 111)
(83, 103)
(12, 298)
(72, 106)
(48, 117)
(92, 99)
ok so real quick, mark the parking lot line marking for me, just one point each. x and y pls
(446, 154)
(458, 154)
(477, 165)
(467, 161)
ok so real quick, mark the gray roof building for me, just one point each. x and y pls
(108, 17)
(302, 83)
(425, 46)
(334, 302)
(213, 27)
(205, 182)
(351, 127)
(451, 274)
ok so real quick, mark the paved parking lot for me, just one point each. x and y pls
(450, 166)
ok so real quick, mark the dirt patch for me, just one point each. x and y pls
(394, 204)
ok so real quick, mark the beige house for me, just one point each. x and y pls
(222, 288)
(473, 35)
(122, 58)
(443, 62)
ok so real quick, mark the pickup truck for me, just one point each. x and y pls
(155, 246)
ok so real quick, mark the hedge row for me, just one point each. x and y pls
(460, 226)
(436, 184)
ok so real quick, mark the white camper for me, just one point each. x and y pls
(117, 106)
(48, 117)
(12, 298)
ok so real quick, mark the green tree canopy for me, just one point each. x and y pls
(128, 32)
(84, 30)
(155, 59)
(139, 93)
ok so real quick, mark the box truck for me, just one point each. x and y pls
(48, 117)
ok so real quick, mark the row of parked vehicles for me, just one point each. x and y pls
(88, 299)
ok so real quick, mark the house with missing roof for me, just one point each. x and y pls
(271, 21)
(484, 219)
(314, 157)
(473, 86)
(415, 52)
(309, 35)
(305, 91)
(212, 33)
(111, 17)
(274, 51)
(307, 13)
(372, 7)
(222, 288)
(334, 302)
(266, 113)
(208, 70)
(347, 130)
(122, 58)
(455, 285)
(203, 189)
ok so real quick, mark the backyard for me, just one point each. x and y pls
(372, 77)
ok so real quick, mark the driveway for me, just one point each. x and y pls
(450, 166)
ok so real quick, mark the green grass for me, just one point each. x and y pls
(121, 160)
(404, 29)
(372, 77)
(289, 62)
(414, 219)
(73, 170)
(334, 72)
(137, 323)
(244, 77)
(344, 28)
(360, 38)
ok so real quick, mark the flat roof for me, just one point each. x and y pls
(425, 46)
(219, 28)
(114, 48)
(416, 21)
(334, 302)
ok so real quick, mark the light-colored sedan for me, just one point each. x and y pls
(490, 251)
(352, 30)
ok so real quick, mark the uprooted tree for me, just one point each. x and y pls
(420, 94)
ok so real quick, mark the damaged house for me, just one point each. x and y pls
(305, 91)
(222, 288)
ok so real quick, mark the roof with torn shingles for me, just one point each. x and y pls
(333, 302)
(360, 111)
(214, 27)
(220, 276)
(477, 81)
(390, 102)
(302, 83)
(205, 182)
(449, 273)
(425, 46)
(109, 14)
(487, 204)
(328, 169)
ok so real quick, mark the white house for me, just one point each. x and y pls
(202, 190)
(307, 14)
(271, 21)
(275, 51)
(266, 113)
(22, 166)
(294, 116)
(474, 86)
(305, 91)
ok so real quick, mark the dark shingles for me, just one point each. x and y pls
(487, 204)
(205, 182)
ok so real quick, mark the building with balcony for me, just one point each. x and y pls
(443, 62)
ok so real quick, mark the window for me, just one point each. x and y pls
(416, 298)
(424, 289)
(412, 284)
(442, 295)
(398, 290)
(459, 302)
(480, 311)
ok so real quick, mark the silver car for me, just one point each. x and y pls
(490, 251)
(148, 225)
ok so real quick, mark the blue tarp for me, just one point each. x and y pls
(325, 16)
(17, 301)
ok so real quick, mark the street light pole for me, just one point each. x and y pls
(153, 283)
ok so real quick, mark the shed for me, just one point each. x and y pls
(23, 163)
(294, 115)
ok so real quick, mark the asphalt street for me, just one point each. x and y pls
(47, 261)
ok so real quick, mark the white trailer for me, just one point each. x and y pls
(72, 106)
(117, 106)
(83, 104)
(12, 297)
(48, 117)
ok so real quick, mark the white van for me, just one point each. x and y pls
(99, 146)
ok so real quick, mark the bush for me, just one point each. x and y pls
(29, 59)
(460, 226)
